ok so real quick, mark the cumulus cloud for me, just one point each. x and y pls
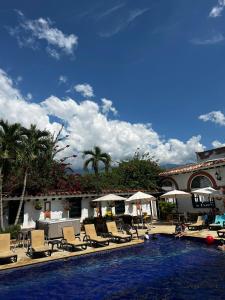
(29, 96)
(217, 144)
(217, 10)
(87, 126)
(107, 106)
(216, 117)
(29, 33)
(84, 89)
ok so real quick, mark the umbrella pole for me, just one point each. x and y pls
(150, 204)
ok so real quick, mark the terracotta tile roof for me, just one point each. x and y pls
(193, 167)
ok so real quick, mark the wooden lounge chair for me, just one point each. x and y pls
(37, 243)
(115, 234)
(69, 239)
(5, 252)
(198, 225)
(219, 223)
(92, 237)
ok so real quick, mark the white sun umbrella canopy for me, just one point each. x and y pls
(206, 191)
(141, 197)
(110, 197)
(174, 194)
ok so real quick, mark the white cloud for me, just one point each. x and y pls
(62, 79)
(88, 126)
(123, 23)
(217, 144)
(215, 39)
(107, 106)
(216, 117)
(29, 33)
(217, 10)
(29, 96)
(110, 11)
(85, 89)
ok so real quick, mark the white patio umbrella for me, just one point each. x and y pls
(174, 194)
(109, 197)
(142, 197)
(206, 191)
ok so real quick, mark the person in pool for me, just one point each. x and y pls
(221, 245)
(179, 230)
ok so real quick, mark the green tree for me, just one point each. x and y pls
(34, 144)
(141, 171)
(96, 156)
(10, 138)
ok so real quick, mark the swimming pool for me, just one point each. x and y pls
(160, 269)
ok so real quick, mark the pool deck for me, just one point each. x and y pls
(24, 260)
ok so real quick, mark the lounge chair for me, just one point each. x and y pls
(198, 225)
(5, 252)
(69, 239)
(37, 243)
(219, 223)
(116, 235)
(221, 233)
(92, 238)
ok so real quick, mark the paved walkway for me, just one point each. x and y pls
(24, 260)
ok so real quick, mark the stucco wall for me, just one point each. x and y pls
(31, 214)
(185, 204)
(182, 179)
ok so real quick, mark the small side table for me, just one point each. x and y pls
(58, 244)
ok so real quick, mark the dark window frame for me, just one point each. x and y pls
(197, 203)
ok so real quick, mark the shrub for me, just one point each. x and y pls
(13, 230)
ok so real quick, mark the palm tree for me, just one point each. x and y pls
(34, 144)
(97, 156)
(10, 138)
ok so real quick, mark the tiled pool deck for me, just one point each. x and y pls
(24, 260)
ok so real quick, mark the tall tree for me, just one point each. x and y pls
(34, 144)
(10, 139)
(96, 156)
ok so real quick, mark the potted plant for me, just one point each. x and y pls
(38, 205)
(67, 206)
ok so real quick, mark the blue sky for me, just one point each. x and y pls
(151, 61)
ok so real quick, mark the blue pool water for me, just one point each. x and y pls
(160, 269)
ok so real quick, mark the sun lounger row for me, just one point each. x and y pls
(38, 245)
(219, 223)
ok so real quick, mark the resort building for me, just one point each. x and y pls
(208, 171)
(64, 205)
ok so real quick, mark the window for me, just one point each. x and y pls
(75, 207)
(119, 207)
(168, 185)
(200, 182)
(202, 201)
(199, 201)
